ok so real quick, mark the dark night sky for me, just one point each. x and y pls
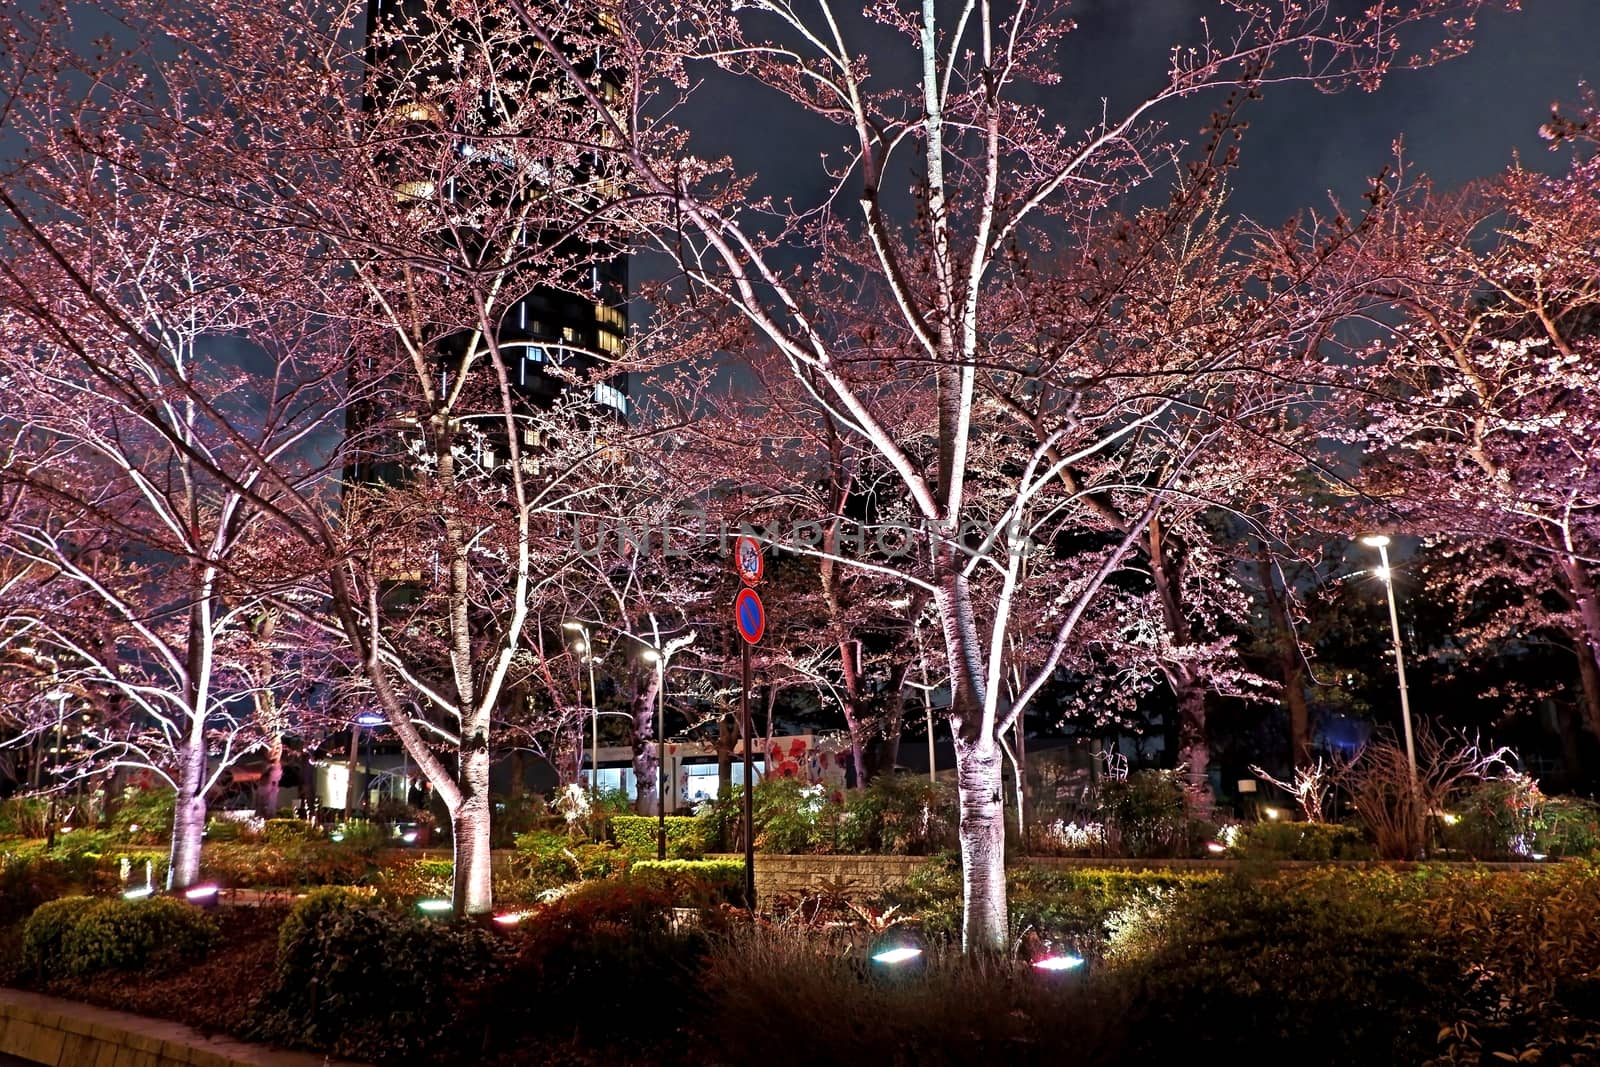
(1460, 121)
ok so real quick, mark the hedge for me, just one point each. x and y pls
(637, 835)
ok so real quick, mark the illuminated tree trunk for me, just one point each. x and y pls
(473, 888)
(267, 797)
(188, 813)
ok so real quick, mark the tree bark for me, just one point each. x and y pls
(983, 844)
(473, 886)
(644, 747)
(1290, 664)
(1194, 744)
(188, 814)
(267, 796)
(1589, 679)
(1587, 641)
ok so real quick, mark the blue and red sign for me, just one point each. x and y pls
(749, 615)
(747, 560)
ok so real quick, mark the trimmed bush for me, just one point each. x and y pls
(636, 836)
(86, 935)
(581, 963)
(359, 981)
(286, 831)
(693, 883)
(44, 935)
(549, 859)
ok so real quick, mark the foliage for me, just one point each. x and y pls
(44, 935)
(149, 810)
(364, 982)
(1511, 818)
(84, 935)
(514, 816)
(1148, 814)
(580, 963)
(762, 982)
(1282, 840)
(302, 862)
(1315, 972)
(898, 814)
(1081, 907)
(287, 831)
(636, 835)
(29, 880)
(22, 816)
(550, 858)
(693, 883)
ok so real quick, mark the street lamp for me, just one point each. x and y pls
(1381, 543)
(587, 649)
(656, 656)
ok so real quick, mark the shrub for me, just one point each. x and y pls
(148, 809)
(1315, 970)
(693, 883)
(1082, 907)
(119, 934)
(360, 981)
(1147, 814)
(548, 859)
(636, 836)
(1303, 841)
(86, 935)
(44, 935)
(580, 963)
(902, 814)
(24, 816)
(27, 881)
(286, 831)
(1511, 818)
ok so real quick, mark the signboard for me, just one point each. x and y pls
(747, 560)
(749, 615)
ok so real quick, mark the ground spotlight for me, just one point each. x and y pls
(138, 891)
(434, 906)
(1062, 962)
(897, 955)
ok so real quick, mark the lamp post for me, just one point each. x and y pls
(656, 656)
(60, 697)
(1381, 543)
(587, 649)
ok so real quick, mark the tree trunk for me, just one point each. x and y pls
(518, 787)
(352, 790)
(644, 746)
(725, 740)
(1589, 678)
(1290, 664)
(267, 796)
(1587, 641)
(473, 890)
(855, 715)
(979, 779)
(1194, 745)
(188, 816)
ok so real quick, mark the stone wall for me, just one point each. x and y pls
(849, 875)
(63, 1033)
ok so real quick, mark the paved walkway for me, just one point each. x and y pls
(66, 1033)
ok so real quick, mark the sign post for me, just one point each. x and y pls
(751, 620)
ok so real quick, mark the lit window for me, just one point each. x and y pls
(611, 397)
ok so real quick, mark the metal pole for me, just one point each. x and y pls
(927, 698)
(749, 819)
(594, 709)
(1399, 666)
(661, 756)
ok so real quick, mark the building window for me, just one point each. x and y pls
(611, 397)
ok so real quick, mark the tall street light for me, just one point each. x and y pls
(587, 650)
(1381, 543)
(656, 656)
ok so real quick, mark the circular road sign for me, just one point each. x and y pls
(747, 560)
(749, 615)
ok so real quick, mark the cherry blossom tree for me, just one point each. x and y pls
(994, 182)
(1486, 395)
